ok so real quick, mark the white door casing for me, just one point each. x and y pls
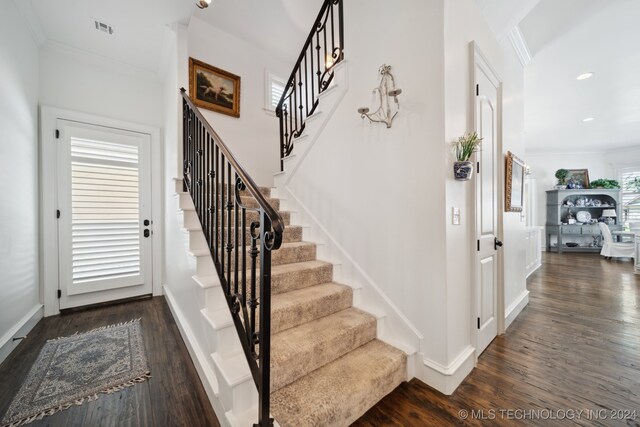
(486, 302)
(104, 199)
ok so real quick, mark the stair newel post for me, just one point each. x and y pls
(267, 240)
(341, 29)
(226, 288)
(280, 117)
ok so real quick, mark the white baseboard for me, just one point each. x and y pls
(515, 308)
(446, 379)
(20, 329)
(199, 358)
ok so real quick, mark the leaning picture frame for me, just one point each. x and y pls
(514, 179)
(580, 177)
(213, 88)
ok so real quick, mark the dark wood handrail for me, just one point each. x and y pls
(276, 220)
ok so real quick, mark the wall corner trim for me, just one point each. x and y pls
(21, 328)
(447, 378)
(515, 308)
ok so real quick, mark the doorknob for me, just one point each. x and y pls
(497, 243)
(146, 232)
(146, 223)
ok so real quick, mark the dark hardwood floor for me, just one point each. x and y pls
(576, 346)
(173, 396)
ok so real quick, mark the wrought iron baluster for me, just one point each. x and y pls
(229, 247)
(236, 239)
(223, 162)
(216, 207)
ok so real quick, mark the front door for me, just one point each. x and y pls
(104, 209)
(486, 277)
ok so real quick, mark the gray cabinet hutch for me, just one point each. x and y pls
(561, 203)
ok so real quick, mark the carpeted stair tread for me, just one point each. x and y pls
(297, 351)
(294, 308)
(292, 233)
(289, 277)
(338, 393)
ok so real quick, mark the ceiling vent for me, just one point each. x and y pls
(104, 27)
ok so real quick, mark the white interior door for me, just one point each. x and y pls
(486, 278)
(104, 205)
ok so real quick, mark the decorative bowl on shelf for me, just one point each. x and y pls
(571, 244)
(583, 216)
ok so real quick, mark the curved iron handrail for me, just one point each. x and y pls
(276, 220)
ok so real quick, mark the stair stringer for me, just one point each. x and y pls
(393, 327)
(213, 343)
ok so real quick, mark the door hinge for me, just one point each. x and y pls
(58, 213)
(478, 245)
(478, 323)
(59, 293)
(477, 167)
(477, 89)
(57, 133)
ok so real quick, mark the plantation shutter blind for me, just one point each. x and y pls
(631, 195)
(105, 196)
(277, 89)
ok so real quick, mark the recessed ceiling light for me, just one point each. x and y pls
(585, 76)
(588, 119)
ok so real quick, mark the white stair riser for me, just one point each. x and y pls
(197, 240)
(204, 266)
(185, 201)
(239, 397)
(190, 220)
(213, 298)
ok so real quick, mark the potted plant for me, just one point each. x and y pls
(562, 175)
(463, 149)
(605, 183)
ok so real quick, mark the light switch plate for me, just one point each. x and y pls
(455, 219)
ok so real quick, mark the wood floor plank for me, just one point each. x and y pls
(173, 396)
(575, 346)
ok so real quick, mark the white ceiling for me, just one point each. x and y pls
(139, 26)
(570, 37)
(280, 26)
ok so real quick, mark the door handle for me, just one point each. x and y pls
(146, 232)
(497, 243)
(146, 222)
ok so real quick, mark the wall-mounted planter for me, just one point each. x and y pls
(462, 171)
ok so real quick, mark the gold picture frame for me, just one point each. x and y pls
(514, 176)
(579, 176)
(213, 88)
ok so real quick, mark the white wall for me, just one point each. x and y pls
(89, 84)
(254, 136)
(19, 281)
(463, 24)
(380, 192)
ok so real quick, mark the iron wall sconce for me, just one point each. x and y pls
(387, 111)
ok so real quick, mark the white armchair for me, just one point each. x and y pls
(611, 249)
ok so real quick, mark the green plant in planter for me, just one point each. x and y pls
(562, 175)
(465, 146)
(604, 183)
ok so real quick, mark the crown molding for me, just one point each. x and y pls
(519, 44)
(31, 21)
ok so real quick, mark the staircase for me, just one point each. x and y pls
(275, 319)
(327, 367)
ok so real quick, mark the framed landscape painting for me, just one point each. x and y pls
(580, 177)
(213, 88)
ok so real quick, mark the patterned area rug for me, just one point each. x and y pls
(73, 370)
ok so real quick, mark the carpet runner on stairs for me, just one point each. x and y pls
(327, 367)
